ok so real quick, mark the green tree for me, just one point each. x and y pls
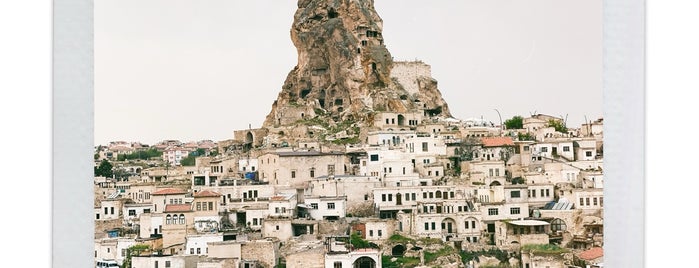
(558, 126)
(134, 250)
(188, 161)
(525, 137)
(516, 122)
(104, 169)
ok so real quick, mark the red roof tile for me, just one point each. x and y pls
(497, 141)
(206, 193)
(591, 254)
(169, 191)
(178, 208)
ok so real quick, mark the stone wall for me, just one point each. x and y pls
(264, 251)
(407, 73)
(102, 226)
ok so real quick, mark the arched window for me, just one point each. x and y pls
(558, 225)
(181, 218)
(168, 219)
(438, 194)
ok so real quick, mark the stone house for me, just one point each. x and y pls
(521, 232)
(165, 196)
(197, 244)
(324, 207)
(297, 168)
(206, 211)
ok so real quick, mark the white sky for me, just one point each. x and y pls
(194, 69)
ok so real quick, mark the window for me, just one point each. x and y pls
(497, 172)
(542, 192)
(594, 201)
(525, 148)
(514, 211)
(146, 210)
(313, 173)
(168, 219)
(424, 195)
(199, 203)
(254, 221)
(374, 157)
(198, 250)
(581, 202)
(412, 196)
(156, 264)
(490, 171)
(588, 153)
(548, 193)
(433, 226)
(277, 227)
(431, 195)
(211, 205)
(380, 234)
(473, 225)
(514, 194)
(132, 212)
(332, 205)
(407, 197)
(167, 264)
(427, 226)
(338, 264)
(181, 218)
(558, 225)
(123, 252)
(424, 146)
(276, 210)
(371, 233)
(492, 211)
(566, 148)
(191, 251)
(331, 169)
(438, 194)
(587, 201)
(544, 149)
(390, 197)
(293, 174)
(314, 205)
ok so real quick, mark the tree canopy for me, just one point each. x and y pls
(558, 125)
(104, 169)
(516, 122)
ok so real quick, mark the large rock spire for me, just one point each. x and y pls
(343, 72)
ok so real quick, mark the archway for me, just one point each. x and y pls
(401, 120)
(398, 251)
(495, 183)
(248, 137)
(364, 262)
(448, 226)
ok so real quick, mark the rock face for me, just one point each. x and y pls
(344, 72)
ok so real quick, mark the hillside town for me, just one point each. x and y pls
(424, 195)
(359, 163)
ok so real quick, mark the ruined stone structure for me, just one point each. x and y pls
(345, 75)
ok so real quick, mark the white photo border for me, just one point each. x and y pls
(624, 132)
(73, 131)
(72, 236)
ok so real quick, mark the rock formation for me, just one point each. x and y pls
(344, 76)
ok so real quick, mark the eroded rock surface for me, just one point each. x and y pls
(344, 75)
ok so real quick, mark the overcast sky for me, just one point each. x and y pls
(200, 69)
